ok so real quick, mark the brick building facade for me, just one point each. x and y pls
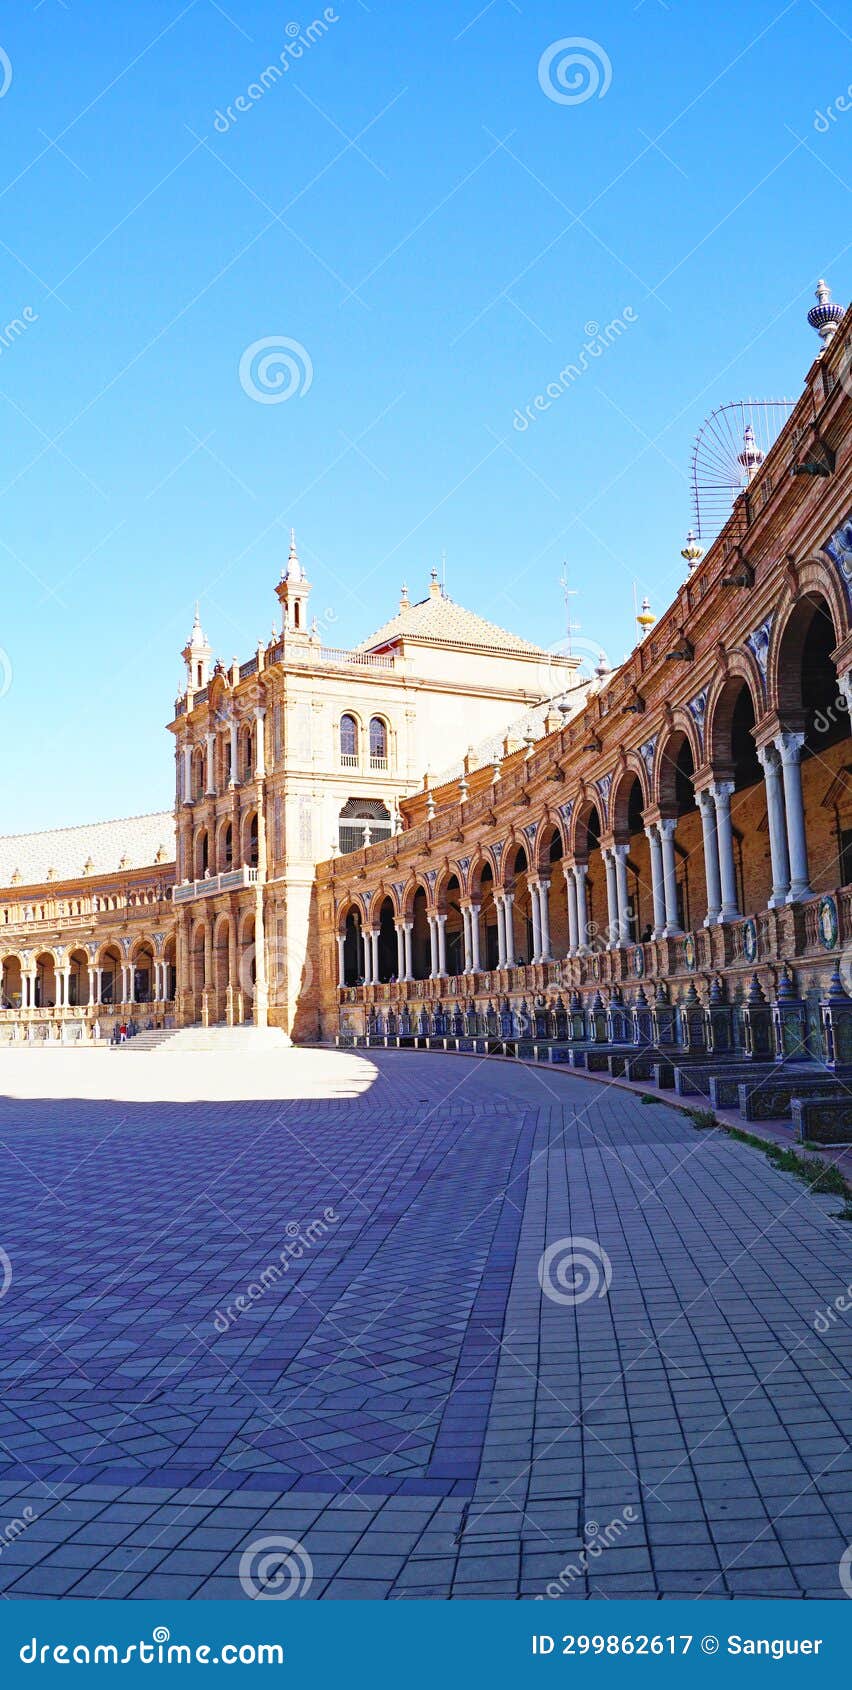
(680, 829)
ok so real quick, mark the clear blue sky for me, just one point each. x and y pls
(483, 225)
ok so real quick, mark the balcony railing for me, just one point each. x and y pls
(212, 884)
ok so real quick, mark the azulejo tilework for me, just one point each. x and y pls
(401, 1398)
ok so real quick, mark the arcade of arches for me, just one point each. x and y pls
(719, 842)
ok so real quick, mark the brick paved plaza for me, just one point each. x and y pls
(403, 1402)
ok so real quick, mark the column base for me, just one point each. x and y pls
(799, 894)
(672, 931)
(711, 919)
(778, 899)
(728, 915)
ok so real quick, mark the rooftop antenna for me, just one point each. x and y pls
(568, 593)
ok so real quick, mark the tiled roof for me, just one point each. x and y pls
(440, 619)
(67, 849)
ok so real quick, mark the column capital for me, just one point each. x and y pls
(667, 826)
(621, 851)
(721, 791)
(789, 744)
(582, 869)
(768, 756)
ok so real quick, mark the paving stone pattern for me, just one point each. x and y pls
(403, 1400)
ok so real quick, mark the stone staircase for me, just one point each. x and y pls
(224, 1041)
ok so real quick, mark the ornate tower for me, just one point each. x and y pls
(196, 655)
(293, 591)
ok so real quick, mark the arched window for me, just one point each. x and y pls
(362, 821)
(348, 742)
(378, 743)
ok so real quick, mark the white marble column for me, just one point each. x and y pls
(571, 889)
(409, 967)
(501, 929)
(400, 951)
(433, 947)
(509, 919)
(580, 872)
(211, 765)
(536, 921)
(620, 853)
(366, 957)
(707, 807)
(99, 974)
(721, 791)
(234, 752)
(341, 966)
(468, 954)
(187, 772)
(789, 746)
(667, 832)
(544, 918)
(374, 942)
(92, 984)
(476, 963)
(658, 892)
(611, 900)
(777, 823)
(441, 923)
(259, 752)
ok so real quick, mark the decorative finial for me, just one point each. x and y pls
(602, 667)
(692, 551)
(294, 568)
(751, 457)
(645, 618)
(824, 317)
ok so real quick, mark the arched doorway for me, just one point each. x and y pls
(679, 834)
(454, 930)
(633, 851)
(11, 995)
(109, 963)
(78, 979)
(142, 972)
(590, 878)
(45, 980)
(813, 750)
(421, 944)
(353, 948)
(388, 957)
